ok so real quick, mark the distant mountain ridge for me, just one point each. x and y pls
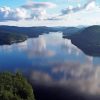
(13, 34)
(35, 31)
(85, 38)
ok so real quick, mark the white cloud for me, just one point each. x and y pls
(6, 13)
(38, 14)
(91, 4)
(38, 9)
(31, 10)
(32, 5)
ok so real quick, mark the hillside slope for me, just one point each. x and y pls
(88, 40)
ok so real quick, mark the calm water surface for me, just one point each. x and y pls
(57, 69)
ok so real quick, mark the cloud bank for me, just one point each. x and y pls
(91, 4)
(6, 13)
(33, 10)
(38, 14)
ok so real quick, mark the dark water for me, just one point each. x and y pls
(57, 69)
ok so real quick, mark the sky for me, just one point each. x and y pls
(49, 12)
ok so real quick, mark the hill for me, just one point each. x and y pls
(88, 40)
(10, 37)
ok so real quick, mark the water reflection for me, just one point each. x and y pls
(53, 61)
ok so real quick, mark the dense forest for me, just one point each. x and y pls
(15, 87)
(10, 37)
(88, 40)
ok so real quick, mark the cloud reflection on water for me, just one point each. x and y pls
(83, 77)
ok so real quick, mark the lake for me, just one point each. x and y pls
(57, 69)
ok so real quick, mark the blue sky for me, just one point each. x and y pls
(14, 3)
(60, 3)
(12, 11)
